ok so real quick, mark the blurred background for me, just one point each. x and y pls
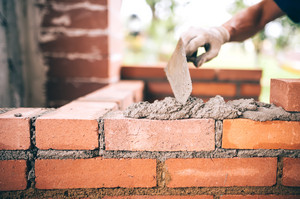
(54, 51)
(153, 27)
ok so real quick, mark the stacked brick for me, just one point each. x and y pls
(88, 149)
(230, 84)
(81, 43)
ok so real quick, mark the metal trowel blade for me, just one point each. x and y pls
(178, 74)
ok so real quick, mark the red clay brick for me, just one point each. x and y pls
(99, 2)
(221, 172)
(259, 197)
(158, 135)
(291, 172)
(143, 72)
(73, 126)
(160, 88)
(15, 131)
(249, 134)
(81, 44)
(249, 90)
(95, 173)
(13, 175)
(123, 98)
(135, 86)
(159, 197)
(286, 93)
(70, 90)
(239, 75)
(212, 89)
(78, 18)
(199, 89)
(65, 68)
(202, 73)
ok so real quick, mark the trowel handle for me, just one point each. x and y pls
(193, 58)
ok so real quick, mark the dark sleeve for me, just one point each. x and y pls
(291, 8)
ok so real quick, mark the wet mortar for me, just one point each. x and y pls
(216, 108)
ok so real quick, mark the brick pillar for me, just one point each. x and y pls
(81, 43)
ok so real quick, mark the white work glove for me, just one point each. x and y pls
(211, 39)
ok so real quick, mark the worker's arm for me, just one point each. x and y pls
(242, 26)
(251, 20)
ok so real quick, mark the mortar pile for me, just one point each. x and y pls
(216, 108)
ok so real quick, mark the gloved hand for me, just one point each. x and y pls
(211, 39)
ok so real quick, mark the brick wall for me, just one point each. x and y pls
(81, 41)
(88, 149)
(207, 83)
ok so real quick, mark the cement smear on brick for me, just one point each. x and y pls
(216, 108)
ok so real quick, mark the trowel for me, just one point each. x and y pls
(178, 74)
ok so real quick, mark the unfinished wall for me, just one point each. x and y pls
(88, 149)
(82, 42)
(207, 83)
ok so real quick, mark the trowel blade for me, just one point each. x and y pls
(178, 74)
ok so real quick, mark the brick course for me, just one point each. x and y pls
(95, 173)
(291, 172)
(15, 128)
(221, 172)
(158, 135)
(13, 175)
(73, 126)
(248, 134)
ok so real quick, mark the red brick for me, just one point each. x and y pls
(143, 72)
(135, 86)
(95, 173)
(202, 74)
(163, 88)
(160, 197)
(73, 126)
(79, 18)
(99, 2)
(82, 68)
(221, 172)
(70, 90)
(291, 172)
(249, 134)
(12, 175)
(259, 197)
(81, 44)
(123, 98)
(240, 75)
(212, 89)
(286, 93)
(158, 135)
(249, 90)
(15, 131)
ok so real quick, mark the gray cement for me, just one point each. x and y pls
(216, 108)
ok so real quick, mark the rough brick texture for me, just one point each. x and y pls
(13, 175)
(82, 44)
(258, 197)
(158, 135)
(73, 126)
(248, 134)
(221, 172)
(159, 197)
(124, 93)
(15, 128)
(286, 93)
(95, 173)
(291, 172)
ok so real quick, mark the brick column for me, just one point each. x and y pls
(81, 43)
